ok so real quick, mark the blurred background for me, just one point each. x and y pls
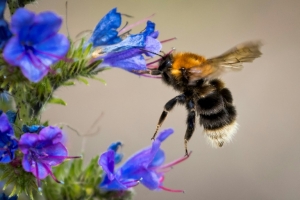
(262, 162)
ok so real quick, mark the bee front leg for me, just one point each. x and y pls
(168, 107)
(190, 106)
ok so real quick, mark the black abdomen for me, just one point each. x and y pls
(217, 114)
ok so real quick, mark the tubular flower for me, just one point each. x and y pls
(112, 180)
(146, 166)
(5, 33)
(43, 151)
(36, 45)
(127, 53)
(8, 143)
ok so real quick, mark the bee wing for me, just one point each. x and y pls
(232, 60)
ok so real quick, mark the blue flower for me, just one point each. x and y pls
(128, 54)
(36, 45)
(43, 151)
(146, 167)
(5, 33)
(105, 33)
(4, 197)
(8, 143)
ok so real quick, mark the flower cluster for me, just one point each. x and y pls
(42, 147)
(145, 167)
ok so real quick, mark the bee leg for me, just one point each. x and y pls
(190, 106)
(168, 107)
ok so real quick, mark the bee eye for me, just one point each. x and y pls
(165, 64)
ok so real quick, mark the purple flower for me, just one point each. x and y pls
(8, 143)
(146, 166)
(112, 180)
(5, 33)
(43, 151)
(36, 45)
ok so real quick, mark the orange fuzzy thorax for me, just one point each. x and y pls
(187, 61)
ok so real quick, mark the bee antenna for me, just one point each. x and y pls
(151, 52)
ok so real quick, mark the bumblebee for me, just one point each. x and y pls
(202, 93)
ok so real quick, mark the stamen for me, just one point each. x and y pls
(165, 170)
(175, 162)
(168, 40)
(132, 183)
(135, 24)
(64, 157)
(170, 190)
(37, 175)
(51, 174)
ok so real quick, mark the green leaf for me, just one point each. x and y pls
(57, 101)
(68, 83)
(99, 79)
(83, 80)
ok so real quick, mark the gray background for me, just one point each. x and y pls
(263, 160)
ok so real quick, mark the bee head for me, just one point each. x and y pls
(166, 63)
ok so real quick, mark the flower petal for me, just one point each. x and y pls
(5, 127)
(164, 134)
(11, 116)
(158, 159)
(52, 49)
(13, 51)
(2, 7)
(51, 133)
(106, 161)
(105, 32)
(132, 41)
(152, 45)
(26, 162)
(27, 141)
(115, 147)
(130, 64)
(112, 185)
(21, 23)
(46, 24)
(56, 154)
(149, 28)
(42, 171)
(5, 33)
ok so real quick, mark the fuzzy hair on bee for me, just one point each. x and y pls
(202, 92)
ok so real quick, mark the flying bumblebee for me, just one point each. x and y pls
(202, 92)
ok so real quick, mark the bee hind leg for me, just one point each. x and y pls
(168, 107)
(190, 106)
